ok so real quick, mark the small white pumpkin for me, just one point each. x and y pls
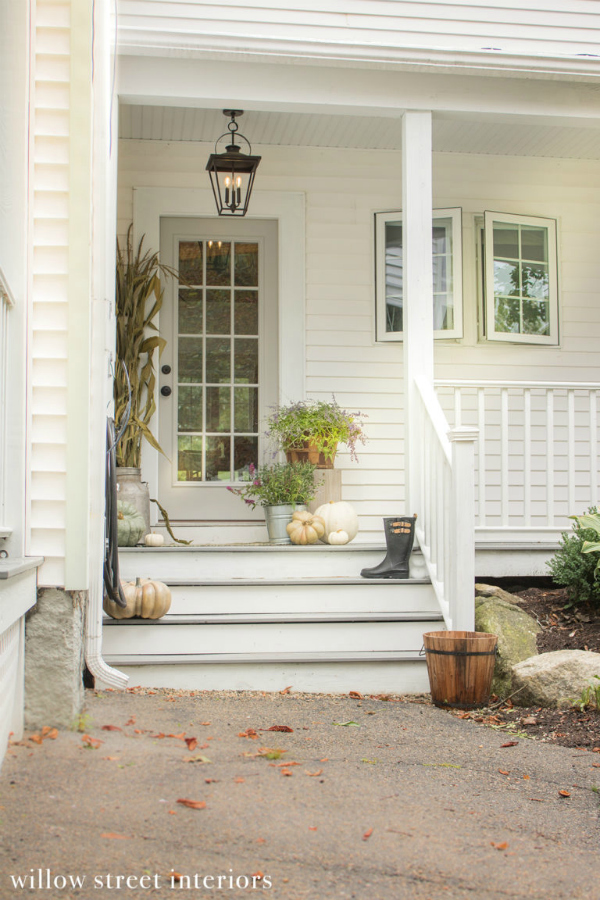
(154, 540)
(305, 528)
(338, 537)
(338, 516)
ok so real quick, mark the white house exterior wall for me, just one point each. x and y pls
(343, 189)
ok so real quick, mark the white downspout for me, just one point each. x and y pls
(93, 642)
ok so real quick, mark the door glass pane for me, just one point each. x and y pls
(245, 454)
(190, 360)
(190, 262)
(246, 312)
(218, 360)
(190, 312)
(218, 409)
(246, 361)
(190, 408)
(218, 312)
(246, 265)
(189, 466)
(245, 409)
(218, 458)
(218, 263)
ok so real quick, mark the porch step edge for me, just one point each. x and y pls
(277, 658)
(280, 619)
(327, 580)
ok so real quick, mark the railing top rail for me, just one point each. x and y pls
(436, 416)
(547, 385)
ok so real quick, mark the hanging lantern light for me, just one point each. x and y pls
(232, 172)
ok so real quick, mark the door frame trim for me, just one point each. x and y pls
(288, 208)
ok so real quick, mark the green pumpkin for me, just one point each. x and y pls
(131, 524)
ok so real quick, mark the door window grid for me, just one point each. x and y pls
(221, 449)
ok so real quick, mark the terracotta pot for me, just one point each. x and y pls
(309, 453)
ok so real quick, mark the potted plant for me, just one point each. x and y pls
(138, 301)
(280, 489)
(312, 429)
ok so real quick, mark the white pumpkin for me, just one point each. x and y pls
(338, 516)
(305, 528)
(338, 537)
(154, 540)
(145, 598)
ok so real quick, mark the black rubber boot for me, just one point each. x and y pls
(399, 538)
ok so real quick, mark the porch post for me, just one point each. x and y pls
(417, 277)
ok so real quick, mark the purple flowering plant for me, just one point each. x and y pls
(279, 484)
(323, 424)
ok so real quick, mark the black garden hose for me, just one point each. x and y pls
(112, 580)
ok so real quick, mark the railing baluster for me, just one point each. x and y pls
(550, 457)
(594, 447)
(504, 493)
(481, 455)
(571, 450)
(527, 456)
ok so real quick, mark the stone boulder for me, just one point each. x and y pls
(516, 637)
(554, 679)
(492, 590)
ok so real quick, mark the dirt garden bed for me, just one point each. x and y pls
(563, 628)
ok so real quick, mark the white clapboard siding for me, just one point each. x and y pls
(342, 357)
(50, 210)
(537, 27)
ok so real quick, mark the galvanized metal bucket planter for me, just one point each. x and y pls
(277, 519)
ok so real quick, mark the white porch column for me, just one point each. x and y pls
(417, 277)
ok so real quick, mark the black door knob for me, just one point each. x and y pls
(166, 370)
(166, 391)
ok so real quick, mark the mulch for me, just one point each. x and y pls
(564, 627)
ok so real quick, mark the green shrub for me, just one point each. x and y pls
(573, 568)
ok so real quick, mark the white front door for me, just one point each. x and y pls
(218, 373)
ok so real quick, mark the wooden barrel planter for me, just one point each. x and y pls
(460, 665)
(309, 453)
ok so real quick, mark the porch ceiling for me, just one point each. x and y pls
(452, 133)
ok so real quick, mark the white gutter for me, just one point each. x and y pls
(93, 643)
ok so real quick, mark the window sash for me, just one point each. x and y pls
(453, 267)
(518, 298)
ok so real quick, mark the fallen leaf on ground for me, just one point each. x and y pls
(286, 764)
(269, 753)
(371, 762)
(111, 728)
(172, 812)
(92, 743)
(248, 733)
(285, 728)
(501, 846)
(314, 774)
(48, 732)
(130, 721)
(205, 723)
(36, 738)
(260, 841)
(529, 720)
(210, 780)
(367, 834)
(258, 875)
(286, 772)
(595, 765)
(115, 837)
(179, 737)
(564, 794)
(356, 695)
(526, 777)
(325, 759)
(312, 827)
(536, 800)
(111, 758)
(192, 743)
(192, 804)
(196, 759)
(239, 780)
(175, 876)
(502, 772)
(286, 690)
(510, 744)
(347, 724)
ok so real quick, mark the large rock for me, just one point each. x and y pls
(516, 637)
(492, 590)
(555, 679)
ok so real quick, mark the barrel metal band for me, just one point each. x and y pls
(462, 652)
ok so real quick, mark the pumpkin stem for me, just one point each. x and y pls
(138, 582)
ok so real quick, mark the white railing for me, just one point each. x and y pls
(443, 475)
(537, 459)
(5, 304)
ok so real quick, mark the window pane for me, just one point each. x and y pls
(218, 263)
(218, 312)
(218, 458)
(246, 409)
(218, 409)
(534, 281)
(246, 312)
(507, 314)
(443, 313)
(190, 262)
(536, 317)
(246, 265)
(190, 360)
(534, 243)
(393, 313)
(442, 236)
(506, 240)
(246, 361)
(218, 360)
(189, 460)
(440, 269)
(506, 278)
(190, 312)
(190, 408)
(245, 453)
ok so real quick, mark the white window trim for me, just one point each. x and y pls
(490, 333)
(381, 219)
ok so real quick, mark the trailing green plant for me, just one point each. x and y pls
(325, 425)
(573, 565)
(279, 484)
(590, 696)
(138, 301)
